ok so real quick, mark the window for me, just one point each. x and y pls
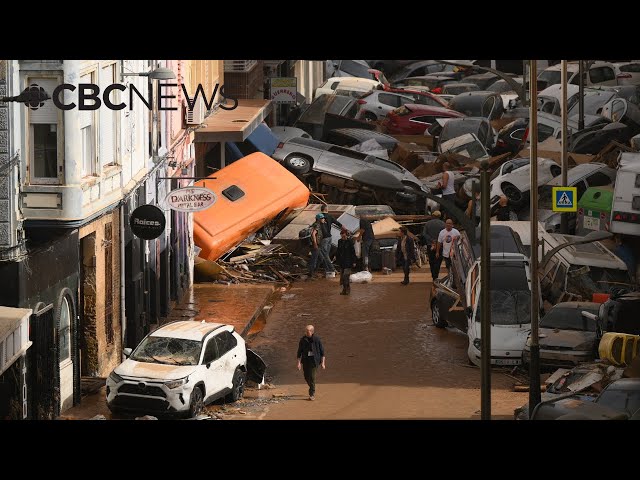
(87, 133)
(601, 74)
(557, 287)
(405, 100)
(211, 352)
(598, 179)
(334, 85)
(428, 119)
(544, 132)
(632, 68)
(109, 118)
(64, 330)
(354, 69)
(225, 342)
(582, 187)
(635, 202)
(45, 138)
(388, 99)
(575, 80)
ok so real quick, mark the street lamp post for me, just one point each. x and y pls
(564, 221)
(485, 298)
(534, 368)
(589, 238)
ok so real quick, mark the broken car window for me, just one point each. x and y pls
(167, 350)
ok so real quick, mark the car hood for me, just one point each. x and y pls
(133, 368)
(568, 339)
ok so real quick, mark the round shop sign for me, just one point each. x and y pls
(147, 222)
(190, 199)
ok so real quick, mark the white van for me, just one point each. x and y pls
(625, 211)
(347, 83)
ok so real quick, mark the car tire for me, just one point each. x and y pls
(298, 164)
(237, 391)
(555, 170)
(436, 317)
(196, 402)
(512, 193)
(370, 117)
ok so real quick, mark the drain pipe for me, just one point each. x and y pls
(123, 318)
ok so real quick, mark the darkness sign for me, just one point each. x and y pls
(147, 222)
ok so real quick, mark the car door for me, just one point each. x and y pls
(226, 343)
(213, 365)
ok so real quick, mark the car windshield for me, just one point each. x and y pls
(473, 150)
(355, 69)
(593, 103)
(621, 400)
(584, 280)
(453, 129)
(168, 350)
(500, 86)
(510, 295)
(564, 318)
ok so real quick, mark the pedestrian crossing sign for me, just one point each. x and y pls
(565, 199)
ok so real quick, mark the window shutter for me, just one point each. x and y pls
(48, 113)
(107, 119)
(86, 116)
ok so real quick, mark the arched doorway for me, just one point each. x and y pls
(66, 359)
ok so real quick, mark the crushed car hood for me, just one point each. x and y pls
(564, 338)
(132, 368)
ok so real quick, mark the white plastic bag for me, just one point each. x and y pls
(357, 246)
(361, 277)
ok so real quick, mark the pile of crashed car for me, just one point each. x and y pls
(374, 137)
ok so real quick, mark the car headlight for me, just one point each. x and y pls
(176, 383)
(114, 377)
(477, 343)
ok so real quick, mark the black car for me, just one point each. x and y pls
(482, 80)
(620, 312)
(313, 118)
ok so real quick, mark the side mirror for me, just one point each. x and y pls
(127, 352)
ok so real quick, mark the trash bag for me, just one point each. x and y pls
(361, 277)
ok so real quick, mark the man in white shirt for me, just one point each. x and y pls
(446, 240)
(448, 192)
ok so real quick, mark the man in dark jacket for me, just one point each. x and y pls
(310, 356)
(504, 212)
(430, 232)
(405, 252)
(346, 257)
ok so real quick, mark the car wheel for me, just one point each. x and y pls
(512, 193)
(239, 380)
(436, 316)
(196, 404)
(298, 164)
(555, 170)
(370, 117)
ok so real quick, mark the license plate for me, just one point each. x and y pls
(591, 223)
(507, 361)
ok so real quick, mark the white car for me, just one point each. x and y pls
(347, 83)
(179, 368)
(512, 179)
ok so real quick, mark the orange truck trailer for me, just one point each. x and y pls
(250, 192)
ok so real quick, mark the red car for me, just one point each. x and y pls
(412, 119)
(421, 97)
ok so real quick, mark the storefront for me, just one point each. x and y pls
(14, 342)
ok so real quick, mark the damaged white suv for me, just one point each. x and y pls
(179, 368)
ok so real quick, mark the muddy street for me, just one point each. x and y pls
(385, 359)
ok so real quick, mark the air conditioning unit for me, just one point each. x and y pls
(195, 116)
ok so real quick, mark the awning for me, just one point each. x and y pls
(14, 335)
(233, 125)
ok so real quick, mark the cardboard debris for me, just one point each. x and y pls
(424, 140)
(207, 270)
(411, 156)
(552, 149)
(387, 228)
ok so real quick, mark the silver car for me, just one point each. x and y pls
(303, 156)
(375, 105)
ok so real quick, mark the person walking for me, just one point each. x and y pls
(405, 252)
(310, 357)
(473, 210)
(430, 233)
(317, 250)
(446, 184)
(326, 229)
(346, 257)
(365, 233)
(446, 241)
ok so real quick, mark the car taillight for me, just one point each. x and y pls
(501, 143)
(624, 75)
(280, 145)
(525, 136)
(362, 102)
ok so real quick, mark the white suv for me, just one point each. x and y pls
(179, 368)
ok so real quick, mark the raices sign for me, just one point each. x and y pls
(190, 199)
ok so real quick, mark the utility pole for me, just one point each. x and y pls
(534, 368)
(564, 227)
(581, 95)
(485, 296)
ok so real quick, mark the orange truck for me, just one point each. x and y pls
(251, 192)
